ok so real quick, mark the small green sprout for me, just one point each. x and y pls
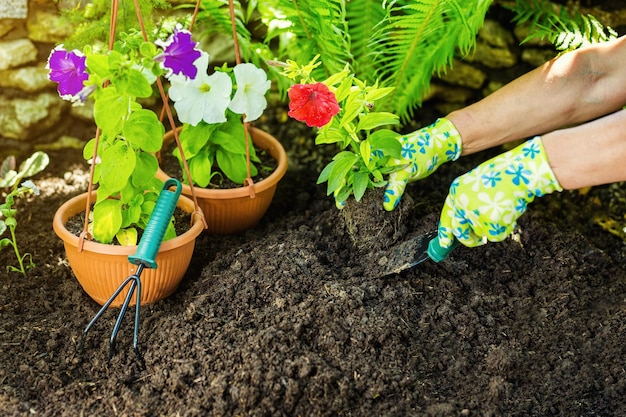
(10, 178)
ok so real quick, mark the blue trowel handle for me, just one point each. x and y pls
(436, 252)
(157, 225)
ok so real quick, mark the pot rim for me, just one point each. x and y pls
(275, 149)
(76, 204)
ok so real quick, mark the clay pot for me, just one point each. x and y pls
(101, 268)
(230, 211)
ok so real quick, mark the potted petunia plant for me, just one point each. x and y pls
(122, 156)
(216, 109)
(128, 135)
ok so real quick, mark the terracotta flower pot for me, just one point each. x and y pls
(101, 268)
(229, 211)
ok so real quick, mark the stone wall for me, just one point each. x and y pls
(33, 117)
(31, 113)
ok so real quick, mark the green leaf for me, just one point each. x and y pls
(366, 151)
(325, 174)
(234, 166)
(194, 138)
(132, 213)
(146, 166)
(133, 83)
(11, 222)
(229, 143)
(344, 163)
(352, 108)
(373, 120)
(5, 242)
(386, 140)
(110, 109)
(343, 194)
(9, 180)
(144, 131)
(344, 89)
(3, 227)
(127, 237)
(8, 212)
(107, 220)
(89, 148)
(118, 163)
(339, 76)
(36, 163)
(331, 133)
(170, 232)
(361, 181)
(200, 168)
(99, 65)
(377, 93)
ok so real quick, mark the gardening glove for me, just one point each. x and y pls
(424, 150)
(484, 204)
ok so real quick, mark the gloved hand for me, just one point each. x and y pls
(425, 150)
(484, 204)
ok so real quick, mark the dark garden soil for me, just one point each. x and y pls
(284, 320)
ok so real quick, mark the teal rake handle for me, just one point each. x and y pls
(157, 225)
(437, 253)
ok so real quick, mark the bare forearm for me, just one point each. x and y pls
(593, 153)
(570, 89)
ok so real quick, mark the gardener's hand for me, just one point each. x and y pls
(424, 150)
(484, 204)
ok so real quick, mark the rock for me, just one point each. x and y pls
(22, 119)
(537, 57)
(493, 34)
(449, 93)
(6, 26)
(464, 75)
(492, 57)
(47, 26)
(15, 53)
(523, 31)
(27, 79)
(494, 47)
(13, 9)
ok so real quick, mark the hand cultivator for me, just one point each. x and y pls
(144, 257)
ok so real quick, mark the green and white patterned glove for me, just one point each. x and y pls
(484, 204)
(424, 150)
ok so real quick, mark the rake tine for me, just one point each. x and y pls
(135, 283)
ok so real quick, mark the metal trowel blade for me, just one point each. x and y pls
(402, 256)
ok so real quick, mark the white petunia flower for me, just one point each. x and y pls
(204, 98)
(252, 84)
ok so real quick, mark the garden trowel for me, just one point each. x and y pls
(410, 253)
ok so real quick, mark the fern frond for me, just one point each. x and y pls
(363, 18)
(420, 39)
(215, 18)
(566, 30)
(305, 28)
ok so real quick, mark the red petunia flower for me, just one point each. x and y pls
(313, 104)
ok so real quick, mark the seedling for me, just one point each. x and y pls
(10, 178)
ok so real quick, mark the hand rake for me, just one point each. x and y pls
(144, 257)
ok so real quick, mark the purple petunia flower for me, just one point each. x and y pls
(67, 68)
(179, 54)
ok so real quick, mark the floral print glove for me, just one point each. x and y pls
(484, 204)
(424, 150)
